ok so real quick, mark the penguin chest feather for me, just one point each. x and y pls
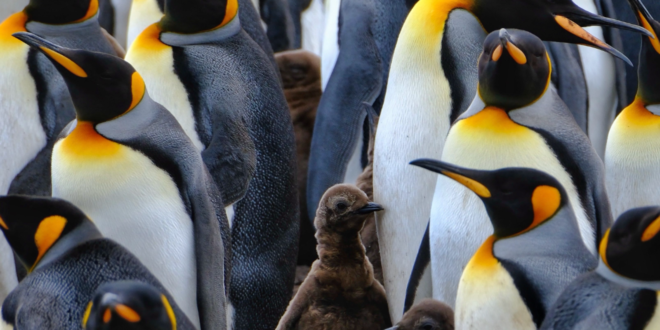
(632, 159)
(154, 61)
(490, 140)
(133, 202)
(487, 295)
(21, 133)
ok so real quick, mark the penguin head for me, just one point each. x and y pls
(550, 20)
(194, 16)
(32, 225)
(129, 305)
(61, 11)
(648, 71)
(631, 247)
(428, 314)
(344, 208)
(102, 86)
(516, 199)
(514, 69)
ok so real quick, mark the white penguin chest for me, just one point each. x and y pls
(21, 133)
(133, 202)
(155, 63)
(488, 298)
(632, 159)
(490, 140)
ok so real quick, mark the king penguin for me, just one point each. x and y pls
(200, 64)
(516, 119)
(34, 100)
(68, 260)
(632, 156)
(623, 291)
(534, 252)
(131, 305)
(127, 164)
(445, 39)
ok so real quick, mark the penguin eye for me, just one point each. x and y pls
(341, 206)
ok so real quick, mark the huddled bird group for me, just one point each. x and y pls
(407, 164)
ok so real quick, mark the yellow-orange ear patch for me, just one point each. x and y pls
(3, 224)
(48, 232)
(473, 185)
(91, 11)
(88, 311)
(127, 313)
(515, 52)
(602, 249)
(169, 310)
(65, 62)
(651, 230)
(497, 53)
(230, 11)
(545, 201)
(137, 89)
(107, 315)
(655, 42)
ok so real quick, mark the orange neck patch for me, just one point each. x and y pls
(149, 40)
(84, 141)
(483, 259)
(494, 120)
(47, 234)
(91, 11)
(636, 114)
(14, 23)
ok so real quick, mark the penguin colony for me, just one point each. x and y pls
(168, 164)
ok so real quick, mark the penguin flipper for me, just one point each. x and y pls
(420, 267)
(569, 80)
(356, 78)
(231, 158)
(300, 302)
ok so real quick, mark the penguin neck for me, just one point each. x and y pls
(56, 30)
(640, 115)
(85, 232)
(219, 34)
(604, 271)
(339, 249)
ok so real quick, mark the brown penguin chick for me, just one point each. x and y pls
(340, 291)
(301, 79)
(365, 183)
(428, 314)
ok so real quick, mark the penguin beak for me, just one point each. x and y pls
(57, 55)
(646, 20)
(369, 208)
(505, 43)
(466, 177)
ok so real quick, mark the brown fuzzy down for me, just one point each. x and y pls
(369, 234)
(301, 79)
(340, 291)
(428, 314)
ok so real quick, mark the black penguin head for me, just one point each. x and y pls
(129, 305)
(631, 248)
(102, 86)
(61, 11)
(193, 16)
(32, 225)
(516, 199)
(344, 208)
(514, 69)
(550, 20)
(648, 72)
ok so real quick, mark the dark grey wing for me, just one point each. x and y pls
(420, 267)
(553, 121)
(251, 23)
(153, 131)
(356, 78)
(568, 78)
(592, 302)
(614, 38)
(281, 30)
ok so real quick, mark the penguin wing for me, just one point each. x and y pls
(356, 78)
(420, 268)
(550, 118)
(301, 302)
(156, 133)
(231, 156)
(568, 78)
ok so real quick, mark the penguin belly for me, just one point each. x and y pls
(487, 140)
(404, 191)
(133, 202)
(149, 57)
(487, 296)
(143, 13)
(600, 75)
(632, 159)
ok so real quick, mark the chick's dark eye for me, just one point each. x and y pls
(341, 206)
